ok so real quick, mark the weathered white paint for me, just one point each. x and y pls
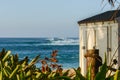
(106, 40)
(82, 50)
(118, 20)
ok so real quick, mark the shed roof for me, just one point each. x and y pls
(106, 16)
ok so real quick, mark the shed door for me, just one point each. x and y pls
(97, 38)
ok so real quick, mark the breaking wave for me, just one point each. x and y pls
(62, 41)
(39, 41)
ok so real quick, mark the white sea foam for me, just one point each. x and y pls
(62, 41)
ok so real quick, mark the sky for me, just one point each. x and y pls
(46, 18)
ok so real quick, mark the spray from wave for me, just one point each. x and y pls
(62, 41)
(40, 41)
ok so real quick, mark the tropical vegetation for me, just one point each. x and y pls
(12, 68)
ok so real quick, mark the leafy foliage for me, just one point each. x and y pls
(101, 75)
(11, 68)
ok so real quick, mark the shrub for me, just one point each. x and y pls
(11, 68)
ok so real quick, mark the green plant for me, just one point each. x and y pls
(101, 75)
(11, 68)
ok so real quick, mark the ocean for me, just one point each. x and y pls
(68, 49)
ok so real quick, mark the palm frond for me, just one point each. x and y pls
(112, 2)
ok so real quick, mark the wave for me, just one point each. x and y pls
(62, 41)
(39, 41)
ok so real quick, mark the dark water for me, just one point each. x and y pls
(68, 48)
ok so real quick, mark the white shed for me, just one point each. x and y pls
(101, 32)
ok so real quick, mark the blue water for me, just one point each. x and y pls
(68, 49)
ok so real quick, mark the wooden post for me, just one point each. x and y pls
(93, 59)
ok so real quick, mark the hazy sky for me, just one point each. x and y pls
(45, 18)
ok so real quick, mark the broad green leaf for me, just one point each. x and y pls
(18, 77)
(117, 75)
(34, 60)
(89, 73)
(38, 75)
(1, 74)
(101, 75)
(79, 76)
(14, 71)
(28, 73)
(5, 72)
(63, 78)
(6, 56)
(110, 78)
(22, 76)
